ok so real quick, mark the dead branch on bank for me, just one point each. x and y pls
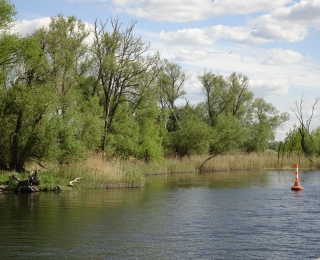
(76, 180)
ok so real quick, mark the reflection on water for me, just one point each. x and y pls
(221, 215)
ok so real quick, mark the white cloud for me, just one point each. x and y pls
(190, 10)
(208, 35)
(263, 88)
(289, 23)
(190, 54)
(25, 27)
(271, 29)
(279, 56)
(304, 12)
(234, 33)
(186, 37)
(283, 20)
(231, 7)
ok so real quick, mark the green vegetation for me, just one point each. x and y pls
(67, 92)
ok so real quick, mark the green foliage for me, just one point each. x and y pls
(123, 137)
(7, 13)
(24, 113)
(192, 138)
(62, 98)
(229, 136)
(150, 139)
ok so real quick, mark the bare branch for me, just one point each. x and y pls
(75, 180)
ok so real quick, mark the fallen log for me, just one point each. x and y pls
(31, 184)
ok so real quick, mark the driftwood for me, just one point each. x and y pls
(75, 180)
(31, 184)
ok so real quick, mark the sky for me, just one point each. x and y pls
(276, 44)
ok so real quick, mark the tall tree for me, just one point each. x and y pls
(7, 13)
(65, 49)
(215, 89)
(171, 81)
(122, 65)
(263, 120)
(25, 102)
(68, 64)
(239, 96)
(9, 42)
(193, 137)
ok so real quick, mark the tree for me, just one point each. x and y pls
(215, 89)
(24, 104)
(9, 43)
(263, 119)
(65, 50)
(7, 13)
(227, 138)
(122, 66)
(171, 81)
(193, 137)
(77, 116)
(150, 129)
(308, 142)
(230, 95)
(48, 115)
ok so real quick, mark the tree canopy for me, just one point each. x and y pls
(68, 91)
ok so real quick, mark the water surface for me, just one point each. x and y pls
(221, 215)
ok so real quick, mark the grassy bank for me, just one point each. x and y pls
(98, 173)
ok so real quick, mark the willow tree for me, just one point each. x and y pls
(24, 104)
(226, 103)
(194, 136)
(122, 65)
(8, 42)
(64, 46)
(7, 13)
(239, 96)
(171, 81)
(263, 119)
(215, 89)
(76, 118)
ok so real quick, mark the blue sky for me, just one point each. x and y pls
(274, 43)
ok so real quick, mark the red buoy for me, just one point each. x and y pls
(296, 185)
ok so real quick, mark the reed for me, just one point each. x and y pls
(96, 172)
(266, 160)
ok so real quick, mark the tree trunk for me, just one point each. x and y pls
(15, 144)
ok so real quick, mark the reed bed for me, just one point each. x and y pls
(96, 172)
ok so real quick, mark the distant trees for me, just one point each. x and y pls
(67, 91)
(302, 140)
(241, 122)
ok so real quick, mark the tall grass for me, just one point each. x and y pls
(98, 173)
(266, 160)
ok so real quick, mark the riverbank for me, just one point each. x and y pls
(98, 173)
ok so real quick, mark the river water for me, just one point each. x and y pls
(221, 215)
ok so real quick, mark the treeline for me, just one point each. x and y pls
(68, 90)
